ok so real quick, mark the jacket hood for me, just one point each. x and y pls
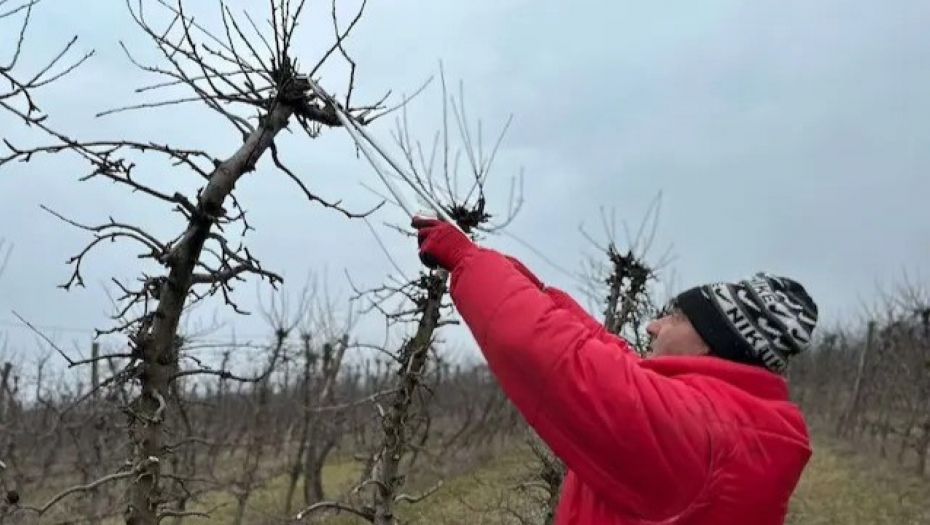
(753, 380)
(748, 380)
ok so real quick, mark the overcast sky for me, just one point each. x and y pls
(785, 136)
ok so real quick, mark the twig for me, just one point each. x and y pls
(414, 499)
(45, 338)
(88, 487)
(366, 514)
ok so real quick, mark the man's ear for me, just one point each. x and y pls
(702, 347)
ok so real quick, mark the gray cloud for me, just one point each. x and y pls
(787, 136)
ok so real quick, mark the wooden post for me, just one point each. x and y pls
(852, 410)
(4, 388)
(94, 370)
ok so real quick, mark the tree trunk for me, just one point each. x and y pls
(414, 356)
(923, 448)
(156, 342)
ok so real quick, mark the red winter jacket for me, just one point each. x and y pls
(666, 440)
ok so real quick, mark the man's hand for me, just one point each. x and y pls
(442, 245)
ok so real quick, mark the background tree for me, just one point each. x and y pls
(234, 75)
(870, 383)
(458, 187)
(621, 282)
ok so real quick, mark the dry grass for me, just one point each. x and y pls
(841, 486)
(844, 486)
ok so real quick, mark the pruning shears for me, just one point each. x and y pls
(369, 147)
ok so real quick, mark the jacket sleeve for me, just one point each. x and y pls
(598, 330)
(636, 438)
(563, 300)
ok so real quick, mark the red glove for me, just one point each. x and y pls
(441, 244)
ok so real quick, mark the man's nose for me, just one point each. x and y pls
(652, 328)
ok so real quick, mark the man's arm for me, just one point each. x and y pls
(566, 301)
(633, 436)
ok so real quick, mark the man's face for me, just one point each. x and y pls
(673, 334)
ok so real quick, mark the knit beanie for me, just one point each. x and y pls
(763, 320)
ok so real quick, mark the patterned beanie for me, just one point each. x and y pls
(763, 320)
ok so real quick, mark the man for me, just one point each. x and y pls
(701, 432)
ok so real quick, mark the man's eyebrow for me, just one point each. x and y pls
(669, 308)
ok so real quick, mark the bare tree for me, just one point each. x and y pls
(437, 171)
(870, 382)
(19, 99)
(621, 282)
(232, 74)
(323, 343)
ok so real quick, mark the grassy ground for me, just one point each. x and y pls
(841, 486)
